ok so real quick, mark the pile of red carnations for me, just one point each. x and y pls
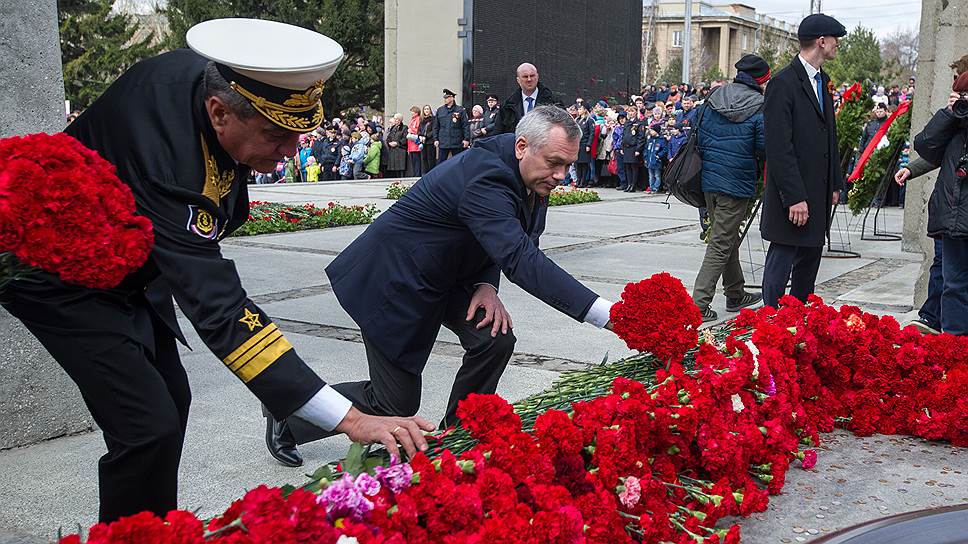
(64, 211)
(669, 457)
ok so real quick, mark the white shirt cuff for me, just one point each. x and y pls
(598, 314)
(326, 409)
(487, 284)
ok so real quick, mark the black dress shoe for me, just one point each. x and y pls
(281, 444)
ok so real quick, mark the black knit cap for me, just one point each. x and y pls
(817, 25)
(753, 65)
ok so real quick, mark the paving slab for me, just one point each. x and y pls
(269, 270)
(333, 239)
(605, 226)
(894, 288)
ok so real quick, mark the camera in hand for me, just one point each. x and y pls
(960, 107)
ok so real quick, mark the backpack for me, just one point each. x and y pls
(683, 175)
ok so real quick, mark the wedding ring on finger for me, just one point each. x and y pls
(395, 429)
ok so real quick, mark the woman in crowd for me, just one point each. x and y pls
(428, 155)
(587, 126)
(396, 150)
(476, 122)
(414, 168)
(606, 178)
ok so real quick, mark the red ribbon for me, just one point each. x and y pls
(859, 169)
(853, 92)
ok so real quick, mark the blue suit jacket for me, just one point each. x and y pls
(459, 225)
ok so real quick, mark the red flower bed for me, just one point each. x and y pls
(63, 210)
(665, 461)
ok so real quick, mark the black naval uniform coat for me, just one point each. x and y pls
(118, 344)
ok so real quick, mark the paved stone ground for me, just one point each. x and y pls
(52, 484)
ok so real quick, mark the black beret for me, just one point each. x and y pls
(490, 96)
(817, 25)
(448, 92)
(622, 113)
(753, 65)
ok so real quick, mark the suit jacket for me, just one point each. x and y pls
(459, 225)
(802, 160)
(513, 109)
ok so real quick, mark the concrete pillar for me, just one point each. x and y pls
(424, 54)
(37, 399)
(944, 23)
(724, 64)
(32, 97)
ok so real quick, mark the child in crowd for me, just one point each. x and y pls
(312, 169)
(655, 151)
(358, 153)
(289, 172)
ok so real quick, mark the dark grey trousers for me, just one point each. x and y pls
(722, 250)
(391, 391)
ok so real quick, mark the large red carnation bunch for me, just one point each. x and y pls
(657, 315)
(663, 461)
(63, 210)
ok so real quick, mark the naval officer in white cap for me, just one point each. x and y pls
(184, 129)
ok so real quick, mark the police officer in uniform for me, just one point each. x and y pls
(184, 129)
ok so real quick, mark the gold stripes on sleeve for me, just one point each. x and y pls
(257, 353)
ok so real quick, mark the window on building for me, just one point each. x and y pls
(746, 41)
(676, 38)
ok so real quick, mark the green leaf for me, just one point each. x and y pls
(353, 464)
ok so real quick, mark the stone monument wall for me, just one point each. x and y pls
(37, 399)
(944, 27)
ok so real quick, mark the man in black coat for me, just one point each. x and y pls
(491, 115)
(436, 256)
(194, 124)
(518, 105)
(452, 134)
(802, 163)
(326, 152)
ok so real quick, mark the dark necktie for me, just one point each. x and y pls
(819, 90)
(530, 100)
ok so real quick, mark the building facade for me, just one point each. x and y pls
(721, 34)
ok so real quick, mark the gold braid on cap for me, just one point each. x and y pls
(282, 114)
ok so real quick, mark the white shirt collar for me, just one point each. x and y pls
(534, 95)
(811, 71)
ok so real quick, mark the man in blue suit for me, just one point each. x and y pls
(435, 258)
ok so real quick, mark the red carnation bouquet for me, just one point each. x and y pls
(657, 315)
(64, 211)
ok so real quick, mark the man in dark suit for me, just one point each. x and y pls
(802, 163)
(436, 256)
(518, 105)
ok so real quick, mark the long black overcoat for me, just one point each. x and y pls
(802, 161)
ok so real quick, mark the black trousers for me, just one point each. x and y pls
(391, 391)
(443, 153)
(632, 176)
(326, 172)
(138, 394)
(796, 264)
(584, 175)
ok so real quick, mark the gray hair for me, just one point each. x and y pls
(536, 125)
(213, 84)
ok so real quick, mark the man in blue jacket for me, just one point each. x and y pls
(436, 256)
(730, 136)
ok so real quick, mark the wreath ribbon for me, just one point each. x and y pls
(878, 136)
